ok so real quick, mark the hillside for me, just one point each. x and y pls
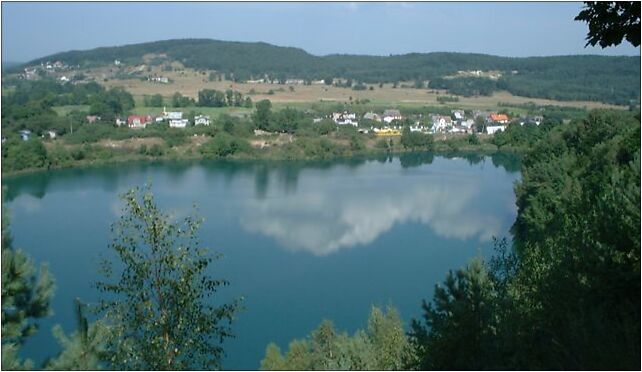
(595, 78)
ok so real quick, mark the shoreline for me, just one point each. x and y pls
(440, 150)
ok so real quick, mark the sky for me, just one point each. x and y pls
(32, 30)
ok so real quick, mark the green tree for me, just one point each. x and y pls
(263, 115)
(26, 296)
(158, 305)
(85, 349)
(416, 140)
(458, 326)
(156, 100)
(382, 346)
(610, 22)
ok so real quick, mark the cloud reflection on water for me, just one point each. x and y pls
(325, 219)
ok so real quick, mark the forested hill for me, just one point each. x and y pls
(597, 78)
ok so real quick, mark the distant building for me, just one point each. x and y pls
(92, 118)
(458, 115)
(64, 79)
(345, 118)
(440, 123)
(178, 123)
(50, 133)
(138, 121)
(120, 122)
(492, 129)
(498, 118)
(201, 120)
(391, 115)
(117, 62)
(172, 115)
(24, 134)
(372, 116)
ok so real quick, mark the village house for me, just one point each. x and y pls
(458, 115)
(492, 129)
(345, 118)
(117, 62)
(440, 123)
(172, 115)
(24, 134)
(372, 116)
(120, 122)
(391, 115)
(178, 123)
(49, 133)
(93, 118)
(64, 79)
(537, 120)
(418, 127)
(468, 124)
(202, 120)
(138, 121)
(498, 118)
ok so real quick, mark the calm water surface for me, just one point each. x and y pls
(302, 241)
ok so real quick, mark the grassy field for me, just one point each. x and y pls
(189, 82)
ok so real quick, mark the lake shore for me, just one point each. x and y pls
(440, 147)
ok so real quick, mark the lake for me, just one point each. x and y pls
(302, 241)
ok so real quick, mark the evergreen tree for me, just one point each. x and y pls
(85, 348)
(26, 296)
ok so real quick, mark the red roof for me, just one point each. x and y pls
(498, 117)
(142, 119)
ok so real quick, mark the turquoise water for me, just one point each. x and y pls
(302, 241)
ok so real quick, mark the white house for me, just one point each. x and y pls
(372, 116)
(440, 123)
(138, 121)
(492, 129)
(172, 115)
(64, 79)
(120, 122)
(458, 114)
(468, 124)
(178, 123)
(201, 120)
(50, 133)
(390, 115)
(345, 118)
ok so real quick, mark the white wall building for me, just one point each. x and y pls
(345, 118)
(201, 120)
(178, 123)
(492, 129)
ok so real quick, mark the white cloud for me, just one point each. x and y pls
(325, 220)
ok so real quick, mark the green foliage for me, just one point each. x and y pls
(445, 99)
(179, 100)
(223, 145)
(566, 77)
(459, 325)
(211, 98)
(567, 295)
(26, 296)
(416, 140)
(158, 305)
(382, 346)
(610, 22)
(263, 114)
(18, 154)
(85, 348)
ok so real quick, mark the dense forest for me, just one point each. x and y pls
(596, 78)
